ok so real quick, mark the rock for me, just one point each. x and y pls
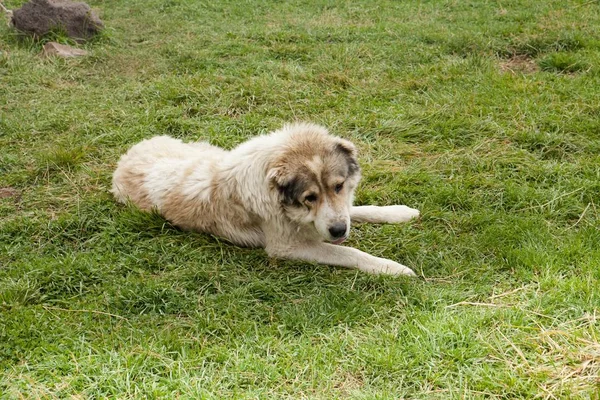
(38, 17)
(61, 50)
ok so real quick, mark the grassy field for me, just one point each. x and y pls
(484, 115)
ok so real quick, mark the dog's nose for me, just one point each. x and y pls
(337, 230)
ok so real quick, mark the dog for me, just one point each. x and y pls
(289, 192)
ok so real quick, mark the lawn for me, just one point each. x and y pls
(483, 115)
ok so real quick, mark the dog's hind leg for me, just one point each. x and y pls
(383, 215)
(330, 254)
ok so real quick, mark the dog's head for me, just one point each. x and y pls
(315, 177)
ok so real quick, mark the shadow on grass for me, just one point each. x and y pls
(226, 290)
(136, 265)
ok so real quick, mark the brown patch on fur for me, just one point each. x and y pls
(201, 215)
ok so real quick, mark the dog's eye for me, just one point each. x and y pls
(311, 198)
(338, 188)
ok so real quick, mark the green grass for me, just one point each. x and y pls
(484, 115)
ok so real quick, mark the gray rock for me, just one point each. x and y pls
(61, 50)
(38, 17)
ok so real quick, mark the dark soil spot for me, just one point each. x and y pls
(6, 192)
(519, 64)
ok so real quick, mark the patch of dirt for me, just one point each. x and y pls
(348, 383)
(6, 192)
(519, 64)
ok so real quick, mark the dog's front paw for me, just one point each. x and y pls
(397, 214)
(394, 268)
(389, 267)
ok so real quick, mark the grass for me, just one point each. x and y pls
(484, 115)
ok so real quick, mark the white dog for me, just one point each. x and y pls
(289, 192)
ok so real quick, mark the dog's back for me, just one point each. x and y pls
(183, 182)
(151, 168)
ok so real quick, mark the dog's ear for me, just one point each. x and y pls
(349, 151)
(346, 147)
(286, 184)
(277, 175)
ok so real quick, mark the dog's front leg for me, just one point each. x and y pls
(383, 215)
(330, 254)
